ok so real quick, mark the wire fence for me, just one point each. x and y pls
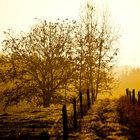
(72, 118)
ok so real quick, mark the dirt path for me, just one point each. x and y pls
(102, 123)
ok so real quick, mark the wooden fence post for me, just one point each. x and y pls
(138, 97)
(127, 92)
(81, 105)
(133, 96)
(88, 99)
(75, 116)
(130, 95)
(65, 127)
(92, 96)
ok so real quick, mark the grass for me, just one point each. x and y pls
(109, 118)
(129, 115)
(29, 123)
(101, 122)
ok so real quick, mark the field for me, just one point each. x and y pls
(129, 115)
(29, 124)
(107, 119)
(110, 117)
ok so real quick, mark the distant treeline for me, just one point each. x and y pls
(129, 78)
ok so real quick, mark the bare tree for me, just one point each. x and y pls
(55, 56)
(100, 38)
(39, 63)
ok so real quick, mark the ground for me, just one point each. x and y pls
(101, 122)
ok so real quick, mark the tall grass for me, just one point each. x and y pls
(130, 116)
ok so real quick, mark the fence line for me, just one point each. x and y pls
(132, 96)
(52, 131)
(72, 121)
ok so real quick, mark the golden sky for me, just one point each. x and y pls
(20, 15)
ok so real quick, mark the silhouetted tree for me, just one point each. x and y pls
(100, 37)
(55, 56)
(38, 63)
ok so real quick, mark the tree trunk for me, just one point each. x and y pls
(46, 98)
(99, 68)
